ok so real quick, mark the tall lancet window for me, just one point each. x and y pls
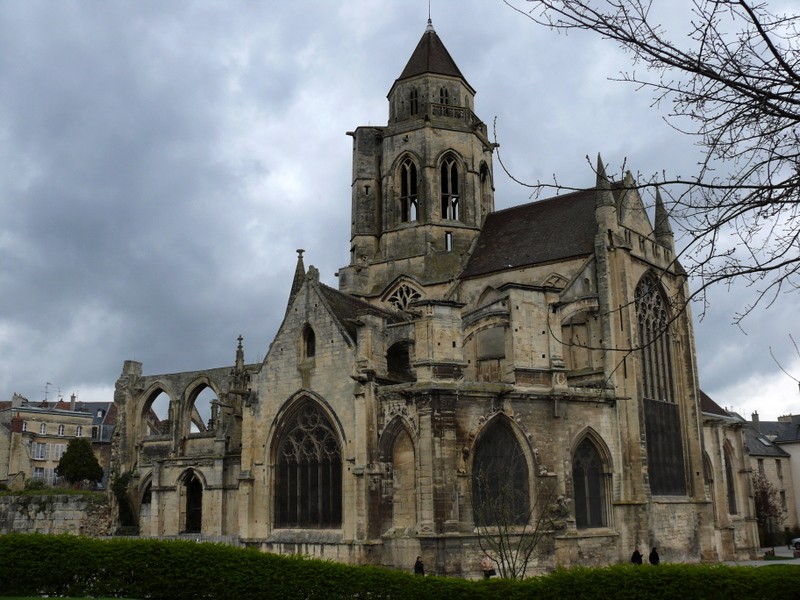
(662, 419)
(654, 339)
(449, 187)
(409, 201)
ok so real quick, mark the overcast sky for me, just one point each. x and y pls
(160, 162)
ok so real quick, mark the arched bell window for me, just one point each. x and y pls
(309, 342)
(409, 200)
(448, 182)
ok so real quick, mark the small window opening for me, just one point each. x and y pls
(413, 101)
(309, 342)
(448, 241)
(444, 96)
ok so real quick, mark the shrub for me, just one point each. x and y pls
(35, 565)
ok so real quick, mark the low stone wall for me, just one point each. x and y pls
(88, 514)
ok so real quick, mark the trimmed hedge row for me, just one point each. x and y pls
(33, 565)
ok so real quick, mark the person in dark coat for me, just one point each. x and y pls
(636, 557)
(419, 568)
(653, 558)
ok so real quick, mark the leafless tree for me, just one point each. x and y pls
(769, 513)
(734, 86)
(512, 526)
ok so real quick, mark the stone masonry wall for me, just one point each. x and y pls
(87, 515)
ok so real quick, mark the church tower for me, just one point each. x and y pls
(422, 185)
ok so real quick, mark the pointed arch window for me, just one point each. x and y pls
(413, 101)
(665, 463)
(308, 486)
(403, 296)
(730, 483)
(654, 338)
(449, 188)
(309, 342)
(500, 494)
(589, 486)
(193, 490)
(409, 201)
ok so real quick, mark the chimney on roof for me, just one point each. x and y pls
(755, 420)
(72, 399)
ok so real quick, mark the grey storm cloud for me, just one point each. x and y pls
(161, 162)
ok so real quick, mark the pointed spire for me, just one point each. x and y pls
(299, 277)
(430, 56)
(602, 178)
(603, 185)
(662, 227)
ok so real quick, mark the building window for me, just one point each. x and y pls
(24, 426)
(95, 431)
(409, 201)
(731, 484)
(448, 241)
(309, 342)
(413, 101)
(403, 296)
(41, 451)
(60, 430)
(308, 481)
(779, 468)
(42, 429)
(78, 431)
(500, 494)
(444, 96)
(60, 450)
(449, 188)
(662, 414)
(654, 340)
(761, 466)
(783, 500)
(193, 490)
(38, 473)
(587, 478)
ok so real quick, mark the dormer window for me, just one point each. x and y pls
(309, 342)
(449, 189)
(444, 96)
(413, 101)
(409, 201)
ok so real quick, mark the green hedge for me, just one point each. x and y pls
(32, 565)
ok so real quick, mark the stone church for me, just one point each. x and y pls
(475, 370)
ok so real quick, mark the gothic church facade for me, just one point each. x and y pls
(543, 352)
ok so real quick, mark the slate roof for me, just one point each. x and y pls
(538, 232)
(707, 405)
(430, 56)
(759, 445)
(347, 308)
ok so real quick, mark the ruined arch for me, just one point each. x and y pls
(157, 414)
(501, 475)
(307, 464)
(202, 406)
